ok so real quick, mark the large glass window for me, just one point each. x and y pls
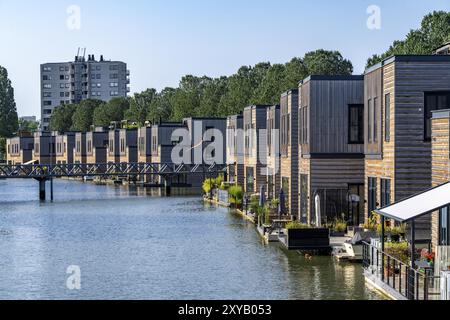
(372, 195)
(387, 118)
(385, 192)
(304, 196)
(250, 180)
(434, 101)
(444, 226)
(356, 123)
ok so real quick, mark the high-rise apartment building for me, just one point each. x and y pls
(78, 80)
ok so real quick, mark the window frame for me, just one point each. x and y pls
(360, 123)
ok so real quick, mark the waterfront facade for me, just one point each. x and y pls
(273, 179)
(19, 150)
(44, 148)
(65, 145)
(113, 155)
(289, 150)
(72, 82)
(400, 94)
(145, 144)
(440, 220)
(80, 148)
(96, 146)
(255, 153)
(331, 155)
(128, 145)
(235, 149)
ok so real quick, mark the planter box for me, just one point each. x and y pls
(308, 239)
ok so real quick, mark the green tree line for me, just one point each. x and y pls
(433, 33)
(203, 96)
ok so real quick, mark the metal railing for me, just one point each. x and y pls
(412, 284)
(42, 171)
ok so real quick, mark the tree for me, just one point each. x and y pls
(114, 110)
(61, 119)
(29, 126)
(83, 116)
(161, 107)
(434, 32)
(9, 122)
(212, 93)
(323, 62)
(272, 85)
(140, 106)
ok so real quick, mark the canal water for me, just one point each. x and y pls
(130, 244)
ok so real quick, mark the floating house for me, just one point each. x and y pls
(65, 145)
(401, 93)
(97, 146)
(255, 148)
(44, 148)
(273, 175)
(19, 150)
(289, 150)
(235, 149)
(331, 155)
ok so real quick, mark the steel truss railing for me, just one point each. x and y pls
(42, 171)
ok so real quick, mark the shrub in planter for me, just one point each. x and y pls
(236, 195)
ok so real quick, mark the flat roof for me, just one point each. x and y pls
(332, 78)
(418, 205)
(409, 58)
(440, 114)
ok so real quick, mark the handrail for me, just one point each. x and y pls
(409, 282)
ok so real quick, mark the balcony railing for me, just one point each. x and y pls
(410, 283)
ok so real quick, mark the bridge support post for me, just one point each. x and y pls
(42, 189)
(167, 187)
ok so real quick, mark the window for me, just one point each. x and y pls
(304, 195)
(250, 180)
(114, 93)
(46, 77)
(61, 94)
(434, 101)
(387, 118)
(113, 84)
(98, 76)
(47, 103)
(61, 69)
(385, 192)
(372, 201)
(47, 86)
(47, 94)
(114, 76)
(444, 226)
(47, 69)
(61, 86)
(285, 187)
(356, 124)
(303, 125)
(113, 67)
(370, 121)
(375, 124)
(61, 77)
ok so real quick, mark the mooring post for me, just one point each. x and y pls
(42, 189)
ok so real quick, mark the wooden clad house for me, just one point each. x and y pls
(44, 148)
(273, 152)
(79, 156)
(255, 153)
(289, 150)
(113, 154)
(65, 144)
(128, 145)
(162, 145)
(207, 144)
(97, 146)
(145, 144)
(331, 155)
(440, 221)
(400, 94)
(235, 149)
(19, 150)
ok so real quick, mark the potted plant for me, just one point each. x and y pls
(339, 228)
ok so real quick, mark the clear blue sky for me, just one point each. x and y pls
(161, 40)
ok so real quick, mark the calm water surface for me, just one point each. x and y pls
(131, 245)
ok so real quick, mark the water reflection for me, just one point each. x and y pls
(131, 243)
